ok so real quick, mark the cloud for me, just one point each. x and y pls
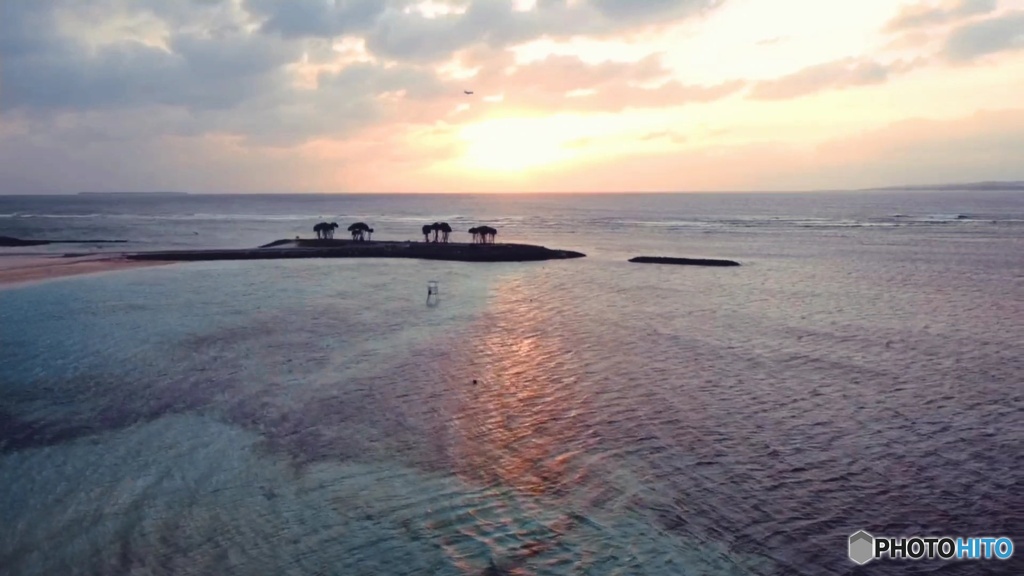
(984, 145)
(923, 15)
(669, 135)
(396, 31)
(838, 74)
(200, 63)
(149, 87)
(303, 18)
(290, 94)
(560, 83)
(989, 36)
(204, 75)
(981, 146)
(647, 11)
(212, 68)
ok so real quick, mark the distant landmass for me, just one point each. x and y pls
(133, 193)
(994, 185)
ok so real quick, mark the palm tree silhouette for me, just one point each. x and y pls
(445, 231)
(358, 229)
(325, 230)
(481, 234)
(427, 228)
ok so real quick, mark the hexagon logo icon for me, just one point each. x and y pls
(862, 547)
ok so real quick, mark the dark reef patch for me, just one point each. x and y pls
(682, 261)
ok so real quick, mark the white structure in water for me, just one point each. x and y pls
(432, 293)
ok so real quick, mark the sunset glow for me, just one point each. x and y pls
(132, 98)
(512, 145)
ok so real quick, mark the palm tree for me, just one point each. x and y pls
(482, 233)
(436, 227)
(369, 233)
(331, 228)
(426, 232)
(358, 229)
(445, 230)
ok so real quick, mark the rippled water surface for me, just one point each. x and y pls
(862, 370)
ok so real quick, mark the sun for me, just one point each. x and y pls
(513, 144)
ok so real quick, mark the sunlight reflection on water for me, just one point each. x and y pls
(316, 416)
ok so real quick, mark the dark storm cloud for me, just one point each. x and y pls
(976, 39)
(923, 15)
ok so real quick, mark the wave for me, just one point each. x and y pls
(775, 222)
(934, 216)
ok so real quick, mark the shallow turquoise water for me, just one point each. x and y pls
(318, 417)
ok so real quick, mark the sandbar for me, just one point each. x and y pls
(22, 269)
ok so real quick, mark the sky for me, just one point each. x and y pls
(226, 96)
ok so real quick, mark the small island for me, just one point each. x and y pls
(682, 261)
(331, 248)
(435, 246)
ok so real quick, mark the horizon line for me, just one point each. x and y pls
(974, 186)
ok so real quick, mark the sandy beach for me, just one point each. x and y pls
(18, 269)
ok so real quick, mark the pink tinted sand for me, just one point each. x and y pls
(20, 269)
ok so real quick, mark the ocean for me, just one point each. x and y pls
(862, 369)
